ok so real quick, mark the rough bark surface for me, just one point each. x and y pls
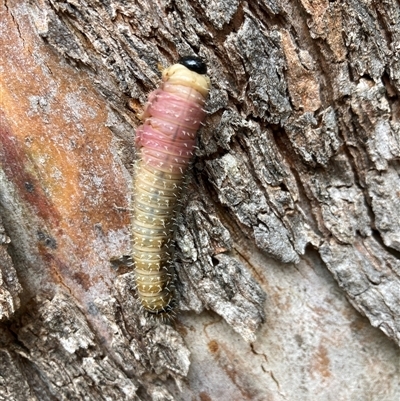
(291, 208)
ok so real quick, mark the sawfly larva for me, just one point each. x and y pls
(165, 142)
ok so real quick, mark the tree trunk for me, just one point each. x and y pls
(287, 255)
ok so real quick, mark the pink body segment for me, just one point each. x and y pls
(165, 141)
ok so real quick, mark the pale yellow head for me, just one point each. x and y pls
(178, 74)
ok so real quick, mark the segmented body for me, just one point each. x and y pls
(166, 142)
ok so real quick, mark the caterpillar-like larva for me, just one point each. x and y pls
(165, 142)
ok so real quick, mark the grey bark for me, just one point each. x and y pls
(292, 208)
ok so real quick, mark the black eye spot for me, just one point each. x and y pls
(29, 187)
(47, 240)
(195, 64)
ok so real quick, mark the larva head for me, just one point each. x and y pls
(195, 64)
(189, 72)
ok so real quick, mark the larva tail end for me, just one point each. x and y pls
(165, 310)
(166, 314)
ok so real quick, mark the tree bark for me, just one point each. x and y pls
(288, 240)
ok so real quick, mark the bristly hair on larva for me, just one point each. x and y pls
(165, 143)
